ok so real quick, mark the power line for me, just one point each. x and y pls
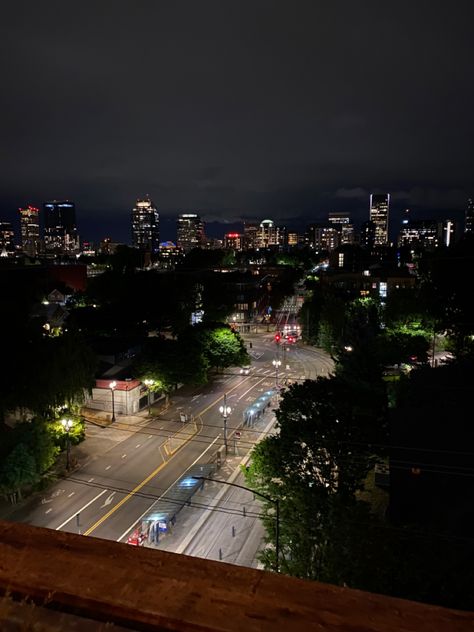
(203, 438)
(259, 515)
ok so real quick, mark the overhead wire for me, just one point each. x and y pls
(252, 514)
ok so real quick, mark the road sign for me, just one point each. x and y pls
(237, 435)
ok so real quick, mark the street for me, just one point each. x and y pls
(112, 490)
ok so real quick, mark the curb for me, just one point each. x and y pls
(216, 500)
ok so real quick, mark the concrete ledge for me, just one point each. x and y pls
(145, 589)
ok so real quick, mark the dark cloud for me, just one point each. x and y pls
(236, 109)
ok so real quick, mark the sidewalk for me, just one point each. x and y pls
(99, 440)
(220, 524)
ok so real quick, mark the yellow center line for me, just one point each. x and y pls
(156, 471)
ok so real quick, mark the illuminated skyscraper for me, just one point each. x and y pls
(190, 231)
(145, 226)
(424, 233)
(29, 230)
(322, 237)
(342, 222)
(7, 246)
(233, 241)
(367, 235)
(60, 230)
(448, 232)
(469, 219)
(268, 234)
(379, 207)
(250, 236)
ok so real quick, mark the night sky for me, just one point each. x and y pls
(238, 109)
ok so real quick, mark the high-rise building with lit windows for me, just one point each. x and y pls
(190, 231)
(342, 222)
(145, 226)
(469, 217)
(233, 241)
(250, 235)
(379, 209)
(447, 231)
(423, 233)
(60, 230)
(322, 237)
(367, 235)
(7, 245)
(268, 234)
(30, 230)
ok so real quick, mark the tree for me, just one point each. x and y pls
(59, 370)
(18, 470)
(220, 346)
(397, 346)
(320, 457)
(38, 438)
(444, 277)
(170, 362)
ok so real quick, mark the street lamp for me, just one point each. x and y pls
(149, 384)
(67, 425)
(274, 501)
(225, 412)
(276, 363)
(112, 387)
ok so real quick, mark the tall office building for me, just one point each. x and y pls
(7, 245)
(190, 231)
(60, 230)
(250, 236)
(322, 237)
(379, 208)
(447, 232)
(469, 218)
(367, 235)
(29, 230)
(145, 226)
(423, 233)
(342, 222)
(233, 241)
(268, 234)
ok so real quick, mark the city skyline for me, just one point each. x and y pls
(120, 230)
(254, 114)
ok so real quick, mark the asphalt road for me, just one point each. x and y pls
(110, 492)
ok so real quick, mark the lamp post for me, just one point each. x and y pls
(225, 412)
(276, 363)
(67, 425)
(149, 384)
(112, 386)
(274, 501)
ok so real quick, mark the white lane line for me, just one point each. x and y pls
(123, 456)
(71, 494)
(81, 509)
(249, 389)
(149, 436)
(108, 467)
(48, 510)
(90, 480)
(165, 492)
(138, 445)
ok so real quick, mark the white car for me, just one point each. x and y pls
(244, 370)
